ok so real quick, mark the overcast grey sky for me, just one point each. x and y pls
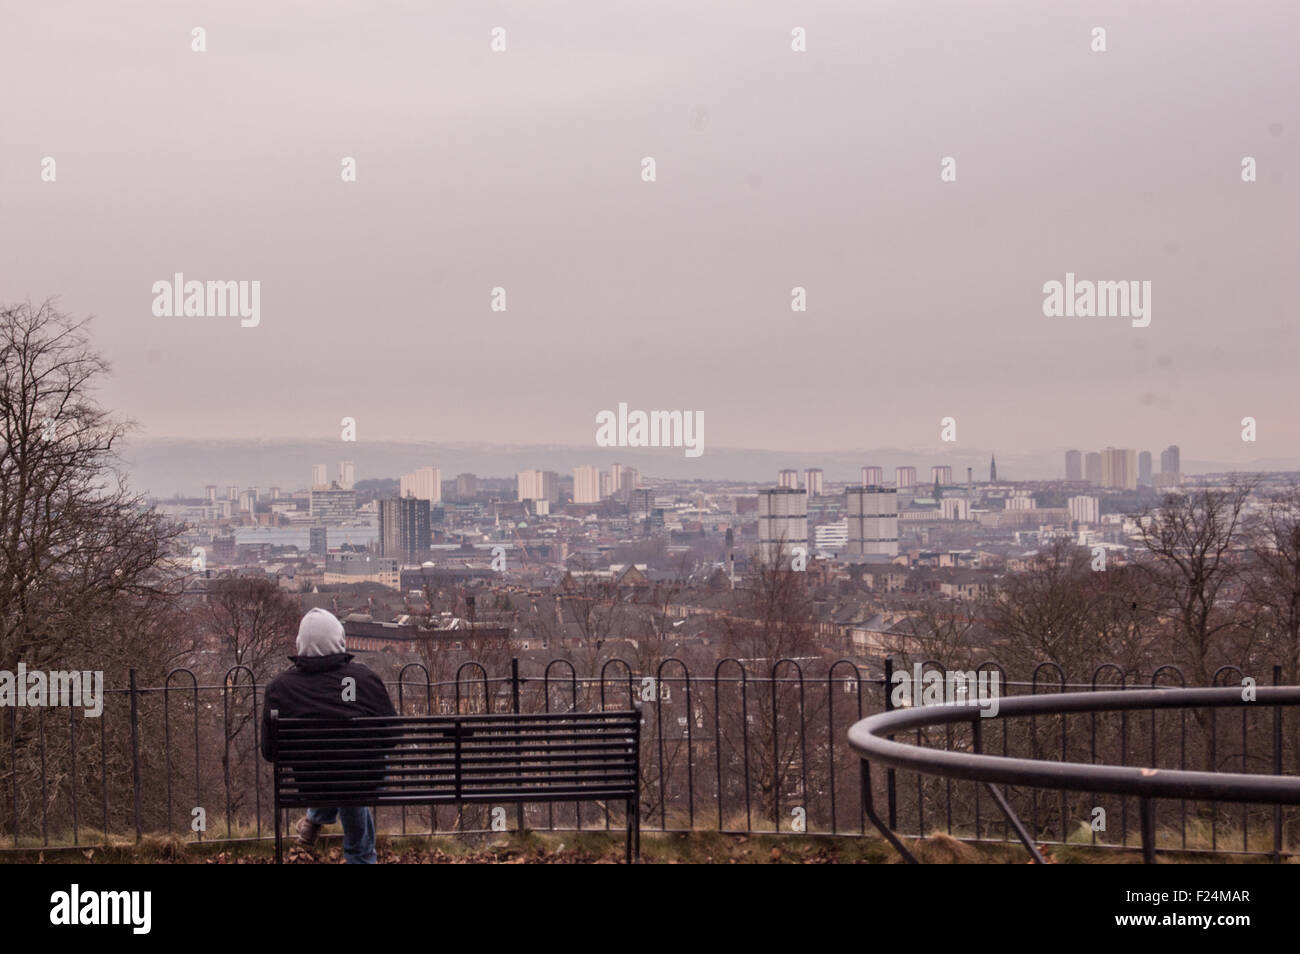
(522, 169)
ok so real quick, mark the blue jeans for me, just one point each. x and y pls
(358, 831)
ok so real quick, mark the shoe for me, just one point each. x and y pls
(307, 832)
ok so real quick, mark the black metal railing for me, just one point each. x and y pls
(873, 739)
(739, 746)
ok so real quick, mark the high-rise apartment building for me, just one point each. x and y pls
(1084, 509)
(1073, 465)
(873, 476)
(641, 503)
(320, 476)
(466, 486)
(1108, 467)
(1128, 459)
(1092, 468)
(424, 484)
(331, 507)
(550, 486)
(1171, 460)
(905, 477)
(586, 484)
(1119, 468)
(347, 475)
(1144, 469)
(211, 491)
(814, 481)
(789, 479)
(538, 485)
(1170, 475)
(622, 481)
(529, 484)
(782, 524)
(871, 513)
(316, 541)
(941, 474)
(830, 537)
(404, 528)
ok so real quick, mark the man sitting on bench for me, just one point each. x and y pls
(315, 688)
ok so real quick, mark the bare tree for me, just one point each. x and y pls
(1062, 610)
(1272, 588)
(479, 642)
(585, 607)
(941, 629)
(1048, 611)
(84, 581)
(772, 621)
(1190, 565)
(773, 616)
(252, 623)
(74, 542)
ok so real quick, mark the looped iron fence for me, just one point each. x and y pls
(741, 746)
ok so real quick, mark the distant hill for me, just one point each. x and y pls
(169, 466)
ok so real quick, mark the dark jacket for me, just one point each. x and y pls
(313, 688)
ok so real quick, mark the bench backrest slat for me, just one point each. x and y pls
(409, 760)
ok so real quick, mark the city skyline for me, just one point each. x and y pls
(169, 468)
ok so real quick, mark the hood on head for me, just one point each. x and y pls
(320, 634)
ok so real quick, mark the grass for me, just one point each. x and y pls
(593, 847)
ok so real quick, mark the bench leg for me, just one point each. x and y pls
(634, 831)
(279, 846)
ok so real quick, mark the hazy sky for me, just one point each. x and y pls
(522, 169)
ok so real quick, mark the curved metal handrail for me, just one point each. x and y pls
(868, 738)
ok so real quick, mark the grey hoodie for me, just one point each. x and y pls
(320, 634)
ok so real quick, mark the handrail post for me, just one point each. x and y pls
(13, 767)
(1277, 768)
(1147, 810)
(514, 701)
(276, 774)
(891, 789)
(976, 746)
(135, 750)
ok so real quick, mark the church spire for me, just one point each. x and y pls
(993, 469)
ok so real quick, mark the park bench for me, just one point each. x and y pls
(457, 759)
